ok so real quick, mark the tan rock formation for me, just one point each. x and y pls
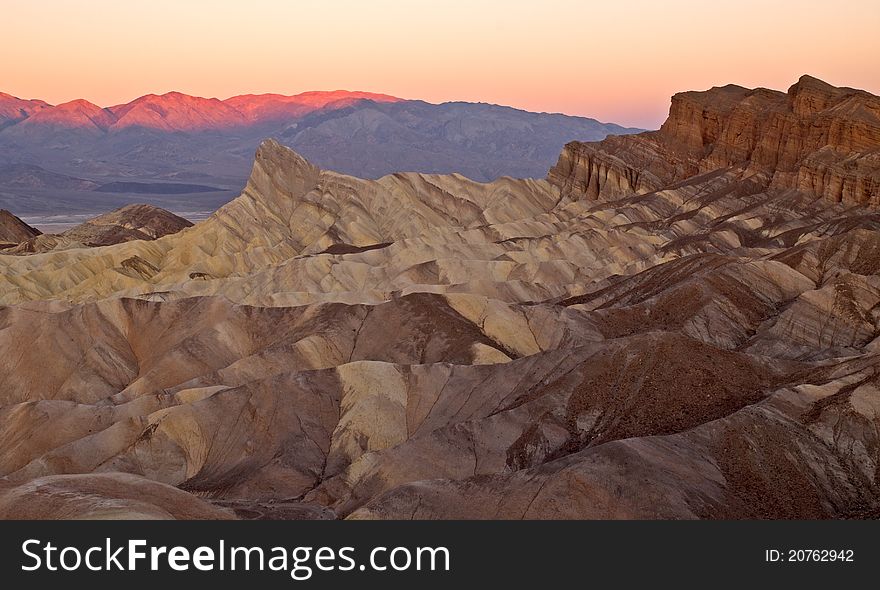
(132, 222)
(698, 338)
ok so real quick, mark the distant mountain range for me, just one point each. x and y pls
(190, 153)
(172, 111)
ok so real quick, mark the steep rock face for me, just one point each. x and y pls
(816, 138)
(13, 230)
(618, 166)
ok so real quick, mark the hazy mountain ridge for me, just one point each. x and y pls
(173, 111)
(422, 137)
(191, 140)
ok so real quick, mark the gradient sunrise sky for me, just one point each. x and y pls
(615, 60)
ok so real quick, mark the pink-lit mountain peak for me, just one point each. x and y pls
(175, 111)
(13, 108)
(322, 98)
(256, 107)
(77, 113)
(8, 98)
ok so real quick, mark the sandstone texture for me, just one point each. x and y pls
(815, 138)
(672, 325)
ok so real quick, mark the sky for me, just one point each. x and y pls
(617, 60)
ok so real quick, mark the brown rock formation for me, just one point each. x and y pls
(816, 138)
(325, 346)
(13, 230)
(132, 222)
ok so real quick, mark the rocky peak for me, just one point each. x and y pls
(13, 230)
(77, 113)
(174, 111)
(153, 222)
(816, 138)
(269, 107)
(14, 109)
(810, 95)
(128, 223)
(696, 119)
(280, 170)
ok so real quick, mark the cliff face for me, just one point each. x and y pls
(815, 138)
(13, 230)
(618, 166)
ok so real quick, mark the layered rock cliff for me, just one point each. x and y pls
(815, 138)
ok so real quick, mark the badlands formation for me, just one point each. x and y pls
(13, 230)
(132, 222)
(676, 324)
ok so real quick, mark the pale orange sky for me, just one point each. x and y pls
(617, 60)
